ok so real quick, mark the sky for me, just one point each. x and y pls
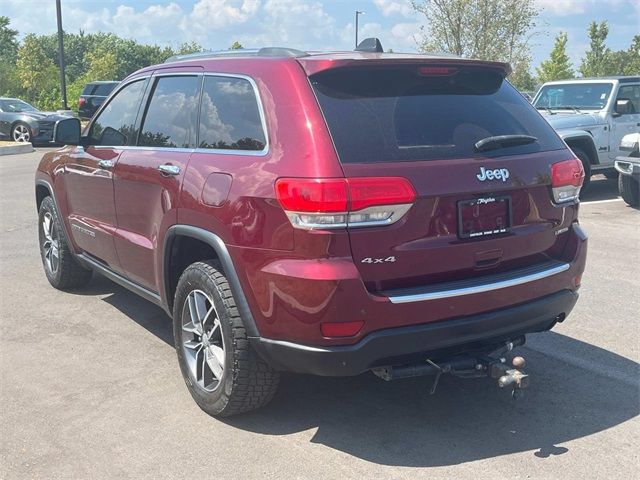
(304, 24)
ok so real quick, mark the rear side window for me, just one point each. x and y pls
(394, 114)
(229, 116)
(115, 125)
(170, 119)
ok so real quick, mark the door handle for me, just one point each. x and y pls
(106, 164)
(168, 169)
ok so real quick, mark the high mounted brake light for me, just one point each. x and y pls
(324, 203)
(436, 70)
(566, 180)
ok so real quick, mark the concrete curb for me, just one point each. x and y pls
(11, 148)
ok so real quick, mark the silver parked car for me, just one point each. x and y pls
(22, 122)
(628, 166)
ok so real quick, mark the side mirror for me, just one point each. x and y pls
(623, 106)
(67, 131)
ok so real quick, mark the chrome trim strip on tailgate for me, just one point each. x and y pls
(485, 287)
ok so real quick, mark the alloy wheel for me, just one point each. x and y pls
(21, 133)
(50, 245)
(202, 340)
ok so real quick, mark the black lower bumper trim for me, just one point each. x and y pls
(394, 343)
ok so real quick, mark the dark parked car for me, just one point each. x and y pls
(93, 94)
(22, 122)
(322, 213)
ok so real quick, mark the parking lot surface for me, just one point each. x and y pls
(90, 386)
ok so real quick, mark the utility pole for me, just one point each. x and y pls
(357, 13)
(63, 84)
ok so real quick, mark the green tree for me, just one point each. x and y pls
(37, 73)
(8, 40)
(189, 47)
(627, 62)
(236, 46)
(558, 66)
(9, 81)
(469, 28)
(598, 61)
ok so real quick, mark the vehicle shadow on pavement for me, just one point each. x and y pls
(601, 188)
(399, 423)
(577, 389)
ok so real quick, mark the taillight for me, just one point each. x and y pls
(566, 179)
(323, 203)
(82, 101)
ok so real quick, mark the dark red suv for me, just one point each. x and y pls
(324, 213)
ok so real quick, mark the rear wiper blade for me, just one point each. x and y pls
(503, 141)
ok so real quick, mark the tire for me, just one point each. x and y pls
(223, 373)
(629, 189)
(611, 174)
(584, 158)
(21, 132)
(60, 266)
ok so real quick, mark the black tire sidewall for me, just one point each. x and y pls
(584, 158)
(629, 189)
(197, 278)
(47, 206)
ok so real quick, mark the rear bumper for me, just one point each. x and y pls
(386, 347)
(628, 166)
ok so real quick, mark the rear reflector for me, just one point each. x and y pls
(341, 329)
(566, 179)
(339, 202)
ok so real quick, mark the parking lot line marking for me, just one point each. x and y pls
(602, 201)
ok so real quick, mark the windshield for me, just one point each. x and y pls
(395, 114)
(581, 96)
(16, 106)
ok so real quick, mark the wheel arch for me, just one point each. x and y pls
(585, 142)
(185, 244)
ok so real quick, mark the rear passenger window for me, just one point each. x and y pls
(170, 119)
(115, 125)
(229, 116)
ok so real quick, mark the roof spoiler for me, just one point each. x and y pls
(371, 45)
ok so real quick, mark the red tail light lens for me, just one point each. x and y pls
(337, 203)
(367, 192)
(566, 179)
(312, 195)
(81, 101)
(341, 329)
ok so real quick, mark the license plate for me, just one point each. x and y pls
(484, 216)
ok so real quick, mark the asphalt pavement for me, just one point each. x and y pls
(90, 386)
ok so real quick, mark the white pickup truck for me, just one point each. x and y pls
(592, 116)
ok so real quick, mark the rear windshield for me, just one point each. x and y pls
(101, 89)
(396, 114)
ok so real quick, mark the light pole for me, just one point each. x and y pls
(63, 86)
(357, 13)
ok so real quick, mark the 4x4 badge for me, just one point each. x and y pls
(497, 174)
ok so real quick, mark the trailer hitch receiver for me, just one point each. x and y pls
(494, 365)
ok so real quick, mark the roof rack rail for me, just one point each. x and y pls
(241, 52)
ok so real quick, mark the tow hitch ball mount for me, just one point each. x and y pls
(493, 365)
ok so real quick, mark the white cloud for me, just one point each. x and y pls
(563, 7)
(395, 7)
